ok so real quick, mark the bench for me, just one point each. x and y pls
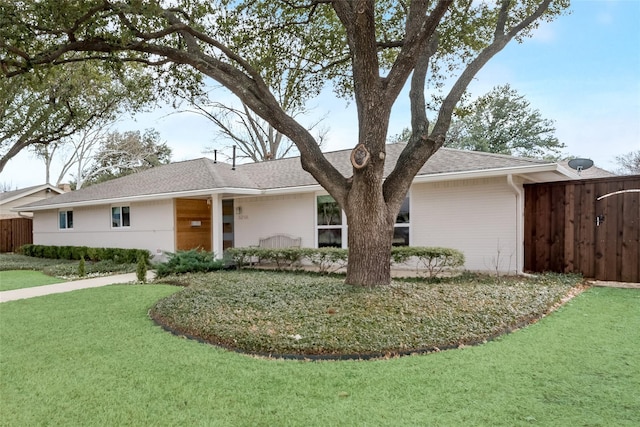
(280, 241)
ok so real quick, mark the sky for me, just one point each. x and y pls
(582, 71)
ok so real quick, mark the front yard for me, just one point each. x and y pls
(93, 357)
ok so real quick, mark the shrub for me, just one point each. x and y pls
(118, 255)
(192, 261)
(433, 259)
(82, 268)
(141, 269)
(328, 260)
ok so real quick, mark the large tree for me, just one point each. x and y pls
(629, 164)
(49, 104)
(370, 50)
(503, 121)
(254, 137)
(105, 156)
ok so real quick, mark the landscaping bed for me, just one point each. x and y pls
(306, 315)
(62, 268)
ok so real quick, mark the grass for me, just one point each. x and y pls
(93, 357)
(18, 279)
(304, 314)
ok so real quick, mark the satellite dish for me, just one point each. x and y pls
(580, 164)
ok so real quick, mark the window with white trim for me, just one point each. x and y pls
(120, 216)
(330, 228)
(65, 220)
(401, 228)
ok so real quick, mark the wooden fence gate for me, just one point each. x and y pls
(590, 227)
(15, 232)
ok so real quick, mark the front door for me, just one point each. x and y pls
(193, 224)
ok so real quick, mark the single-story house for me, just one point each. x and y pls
(466, 200)
(23, 196)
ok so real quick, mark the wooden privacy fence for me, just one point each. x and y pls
(15, 232)
(590, 227)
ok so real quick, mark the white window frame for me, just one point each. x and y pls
(406, 225)
(342, 227)
(121, 217)
(66, 219)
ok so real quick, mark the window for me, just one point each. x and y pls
(329, 222)
(65, 219)
(401, 230)
(120, 216)
(332, 230)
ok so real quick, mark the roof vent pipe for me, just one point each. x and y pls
(215, 156)
(233, 166)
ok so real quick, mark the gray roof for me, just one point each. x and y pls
(288, 172)
(5, 196)
(203, 174)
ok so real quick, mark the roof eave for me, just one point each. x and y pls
(558, 171)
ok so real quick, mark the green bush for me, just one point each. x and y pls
(282, 257)
(192, 261)
(141, 269)
(118, 255)
(328, 260)
(433, 259)
(82, 269)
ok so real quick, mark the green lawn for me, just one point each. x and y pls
(93, 357)
(18, 279)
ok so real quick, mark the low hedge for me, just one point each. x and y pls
(432, 259)
(118, 255)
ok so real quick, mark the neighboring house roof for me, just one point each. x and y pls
(204, 176)
(592, 172)
(10, 196)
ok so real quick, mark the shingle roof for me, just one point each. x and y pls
(204, 174)
(9, 194)
(190, 175)
(6, 196)
(288, 172)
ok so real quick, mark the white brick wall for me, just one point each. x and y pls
(477, 217)
(152, 228)
(291, 214)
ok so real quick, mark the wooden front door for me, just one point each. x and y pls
(193, 224)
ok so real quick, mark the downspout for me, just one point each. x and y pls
(519, 192)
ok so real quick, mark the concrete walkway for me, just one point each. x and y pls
(74, 285)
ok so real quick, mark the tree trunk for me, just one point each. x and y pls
(370, 234)
(369, 250)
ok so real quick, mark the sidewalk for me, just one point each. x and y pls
(57, 288)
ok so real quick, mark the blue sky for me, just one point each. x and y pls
(581, 70)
